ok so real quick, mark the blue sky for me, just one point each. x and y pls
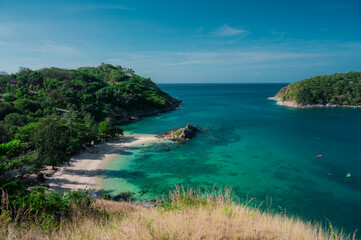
(185, 41)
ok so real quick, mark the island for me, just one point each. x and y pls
(336, 90)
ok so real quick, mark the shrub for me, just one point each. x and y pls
(176, 133)
(106, 196)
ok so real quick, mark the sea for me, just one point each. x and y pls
(267, 154)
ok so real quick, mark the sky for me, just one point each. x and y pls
(185, 41)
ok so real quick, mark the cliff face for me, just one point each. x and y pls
(337, 90)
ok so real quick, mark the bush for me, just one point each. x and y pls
(5, 109)
(50, 204)
(106, 196)
(74, 146)
(176, 133)
(107, 131)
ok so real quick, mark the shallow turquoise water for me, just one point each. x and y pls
(249, 143)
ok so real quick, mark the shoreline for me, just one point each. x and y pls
(129, 118)
(83, 171)
(292, 104)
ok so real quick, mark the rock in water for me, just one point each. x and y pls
(188, 131)
(182, 134)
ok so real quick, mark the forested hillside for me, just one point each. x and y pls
(335, 89)
(49, 114)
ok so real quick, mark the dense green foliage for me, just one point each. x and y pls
(40, 206)
(339, 88)
(49, 114)
(108, 131)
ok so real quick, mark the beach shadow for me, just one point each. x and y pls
(98, 151)
(59, 185)
(128, 139)
(105, 173)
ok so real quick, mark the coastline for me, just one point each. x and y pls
(292, 104)
(82, 173)
(131, 117)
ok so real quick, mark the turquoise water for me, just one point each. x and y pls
(256, 147)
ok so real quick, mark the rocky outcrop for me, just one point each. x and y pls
(293, 104)
(182, 134)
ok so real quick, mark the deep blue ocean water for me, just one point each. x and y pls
(258, 148)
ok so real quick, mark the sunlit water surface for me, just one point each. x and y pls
(256, 147)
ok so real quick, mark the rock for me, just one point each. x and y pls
(188, 131)
(147, 204)
(124, 196)
(182, 134)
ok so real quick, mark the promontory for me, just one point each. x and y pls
(336, 90)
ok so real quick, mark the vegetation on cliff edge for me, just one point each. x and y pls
(184, 214)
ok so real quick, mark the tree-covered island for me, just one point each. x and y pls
(336, 90)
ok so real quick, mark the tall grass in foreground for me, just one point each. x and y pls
(183, 214)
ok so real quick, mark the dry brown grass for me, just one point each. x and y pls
(189, 216)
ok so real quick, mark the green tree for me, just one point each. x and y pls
(25, 133)
(74, 145)
(70, 117)
(107, 131)
(8, 88)
(51, 141)
(15, 119)
(5, 109)
(4, 133)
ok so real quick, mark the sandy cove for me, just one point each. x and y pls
(84, 167)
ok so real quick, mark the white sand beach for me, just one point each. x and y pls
(83, 168)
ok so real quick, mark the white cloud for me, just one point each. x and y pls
(227, 31)
(115, 7)
(57, 49)
(237, 58)
(6, 30)
(96, 6)
(280, 35)
(46, 47)
(188, 63)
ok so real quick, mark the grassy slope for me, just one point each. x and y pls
(339, 88)
(188, 216)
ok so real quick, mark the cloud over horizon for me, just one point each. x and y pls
(227, 31)
(184, 42)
